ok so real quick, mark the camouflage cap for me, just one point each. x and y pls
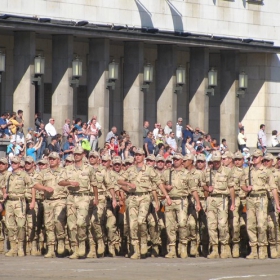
(227, 154)
(129, 159)
(117, 159)
(43, 161)
(29, 159)
(268, 156)
(151, 157)
(78, 150)
(238, 154)
(216, 156)
(139, 151)
(70, 158)
(4, 160)
(188, 157)
(22, 164)
(169, 158)
(54, 155)
(257, 153)
(160, 158)
(106, 157)
(93, 153)
(15, 159)
(177, 156)
(201, 157)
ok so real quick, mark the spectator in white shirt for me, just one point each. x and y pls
(172, 142)
(241, 139)
(262, 138)
(50, 129)
(179, 132)
(223, 146)
(168, 128)
(275, 141)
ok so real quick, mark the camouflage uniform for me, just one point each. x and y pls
(262, 181)
(176, 214)
(78, 201)
(16, 185)
(54, 205)
(139, 203)
(217, 207)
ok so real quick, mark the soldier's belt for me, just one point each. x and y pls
(51, 198)
(15, 198)
(257, 195)
(29, 200)
(79, 193)
(178, 197)
(138, 193)
(102, 193)
(91, 194)
(243, 198)
(219, 195)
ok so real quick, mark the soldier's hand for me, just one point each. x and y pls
(198, 207)
(5, 196)
(32, 205)
(168, 188)
(157, 207)
(250, 188)
(95, 202)
(168, 201)
(1, 207)
(211, 188)
(49, 189)
(232, 207)
(121, 202)
(114, 203)
(74, 184)
(132, 186)
(278, 208)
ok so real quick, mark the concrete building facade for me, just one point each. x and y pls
(231, 36)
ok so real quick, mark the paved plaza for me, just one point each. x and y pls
(126, 269)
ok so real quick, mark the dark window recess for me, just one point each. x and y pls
(48, 98)
(257, 2)
(82, 100)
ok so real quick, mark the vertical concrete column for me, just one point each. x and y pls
(199, 101)
(133, 105)
(62, 92)
(98, 101)
(229, 106)
(24, 91)
(165, 83)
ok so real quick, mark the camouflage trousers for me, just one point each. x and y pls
(55, 219)
(234, 220)
(176, 217)
(77, 217)
(192, 220)
(217, 220)
(153, 224)
(243, 220)
(3, 228)
(138, 209)
(257, 220)
(89, 228)
(273, 224)
(15, 219)
(31, 222)
(202, 236)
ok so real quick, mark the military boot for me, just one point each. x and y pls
(172, 252)
(183, 251)
(27, 248)
(82, 249)
(92, 250)
(193, 249)
(111, 248)
(12, 252)
(273, 252)
(75, 254)
(235, 250)
(42, 247)
(254, 253)
(136, 254)
(60, 247)
(214, 254)
(51, 253)
(224, 252)
(20, 249)
(100, 247)
(262, 252)
(1, 246)
(144, 249)
(34, 250)
(205, 250)
(228, 250)
(155, 251)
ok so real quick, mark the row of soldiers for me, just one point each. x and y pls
(176, 206)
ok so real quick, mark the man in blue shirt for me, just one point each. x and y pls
(187, 132)
(4, 126)
(148, 144)
(68, 147)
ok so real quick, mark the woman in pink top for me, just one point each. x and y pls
(93, 134)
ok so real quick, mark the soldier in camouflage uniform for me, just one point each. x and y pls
(259, 180)
(178, 184)
(54, 204)
(272, 214)
(82, 176)
(3, 173)
(138, 182)
(14, 192)
(219, 184)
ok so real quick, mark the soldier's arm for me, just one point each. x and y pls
(124, 184)
(195, 195)
(156, 200)
(64, 181)
(95, 191)
(273, 188)
(232, 196)
(32, 203)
